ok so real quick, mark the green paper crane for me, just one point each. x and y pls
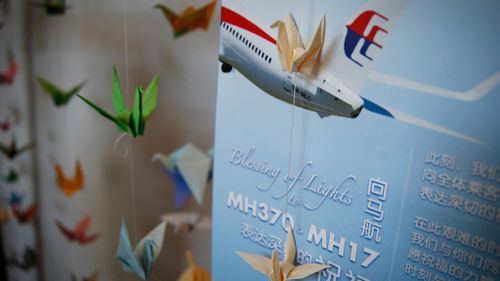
(53, 7)
(132, 122)
(60, 97)
(11, 177)
(11, 150)
(28, 261)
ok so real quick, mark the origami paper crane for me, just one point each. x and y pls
(70, 185)
(5, 126)
(141, 259)
(189, 167)
(7, 76)
(53, 7)
(190, 19)
(5, 215)
(12, 118)
(28, 261)
(92, 277)
(285, 270)
(293, 56)
(79, 232)
(132, 122)
(11, 151)
(15, 199)
(194, 272)
(24, 216)
(59, 96)
(188, 221)
(11, 177)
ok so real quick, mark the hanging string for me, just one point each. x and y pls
(130, 152)
(290, 148)
(117, 142)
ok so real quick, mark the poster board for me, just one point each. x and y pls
(407, 190)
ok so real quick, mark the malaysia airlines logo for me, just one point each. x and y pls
(356, 31)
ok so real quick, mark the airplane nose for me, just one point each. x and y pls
(356, 112)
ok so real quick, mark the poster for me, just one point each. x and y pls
(406, 188)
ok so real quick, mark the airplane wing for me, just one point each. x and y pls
(410, 119)
(350, 56)
(473, 94)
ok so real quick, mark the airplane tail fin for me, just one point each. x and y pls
(170, 15)
(351, 54)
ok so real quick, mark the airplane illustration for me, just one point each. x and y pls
(334, 90)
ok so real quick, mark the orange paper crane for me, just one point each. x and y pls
(5, 215)
(79, 233)
(24, 216)
(189, 19)
(70, 185)
(194, 272)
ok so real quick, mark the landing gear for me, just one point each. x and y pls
(226, 67)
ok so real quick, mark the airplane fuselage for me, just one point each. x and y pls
(246, 46)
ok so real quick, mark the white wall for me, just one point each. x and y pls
(85, 44)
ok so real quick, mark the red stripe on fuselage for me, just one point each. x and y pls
(231, 17)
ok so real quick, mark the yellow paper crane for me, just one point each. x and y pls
(194, 272)
(190, 19)
(293, 56)
(285, 270)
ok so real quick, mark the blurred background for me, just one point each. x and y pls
(85, 43)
